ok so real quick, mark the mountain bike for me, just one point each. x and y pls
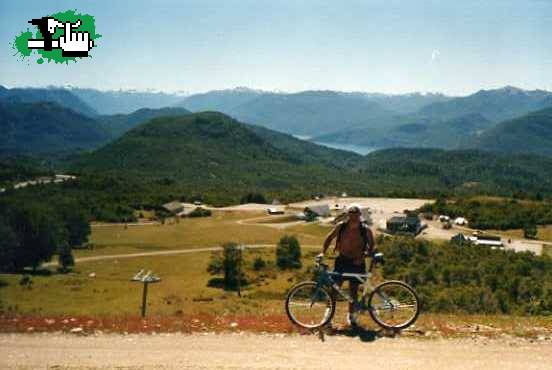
(392, 304)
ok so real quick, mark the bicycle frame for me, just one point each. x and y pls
(326, 280)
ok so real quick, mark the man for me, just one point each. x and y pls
(354, 240)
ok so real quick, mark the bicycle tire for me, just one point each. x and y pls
(377, 291)
(308, 286)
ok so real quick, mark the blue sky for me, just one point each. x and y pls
(455, 47)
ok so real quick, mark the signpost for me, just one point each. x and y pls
(146, 278)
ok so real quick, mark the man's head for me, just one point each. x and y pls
(353, 211)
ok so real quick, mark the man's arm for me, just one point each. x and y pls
(370, 241)
(329, 239)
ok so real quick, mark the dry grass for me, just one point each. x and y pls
(544, 233)
(183, 289)
(193, 233)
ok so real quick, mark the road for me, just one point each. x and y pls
(258, 351)
(165, 253)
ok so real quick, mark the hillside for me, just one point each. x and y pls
(309, 112)
(304, 113)
(404, 103)
(210, 152)
(414, 131)
(118, 124)
(60, 96)
(495, 105)
(305, 151)
(458, 171)
(123, 101)
(34, 128)
(531, 133)
(224, 101)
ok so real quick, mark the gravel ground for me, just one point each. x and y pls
(258, 351)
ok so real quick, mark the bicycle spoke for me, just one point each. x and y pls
(309, 305)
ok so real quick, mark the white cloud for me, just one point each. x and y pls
(435, 54)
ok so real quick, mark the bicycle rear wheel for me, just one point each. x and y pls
(394, 305)
(309, 305)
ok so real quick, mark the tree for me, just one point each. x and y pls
(9, 246)
(230, 265)
(288, 253)
(39, 231)
(76, 222)
(530, 231)
(253, 198)
(65, 258)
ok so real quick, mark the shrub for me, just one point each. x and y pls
(259, 264)
(230, 265)
(288, 253)
(200, 212)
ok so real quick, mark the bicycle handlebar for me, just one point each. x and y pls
(376, 258)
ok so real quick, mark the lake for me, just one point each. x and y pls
(362, 150)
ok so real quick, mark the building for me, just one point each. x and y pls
(460, 221)
(409, 225)
(478, 239)
(319, 210)
(174, 207)
(275, 211)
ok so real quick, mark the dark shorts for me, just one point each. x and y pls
(345, 264)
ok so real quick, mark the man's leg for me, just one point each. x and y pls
(353, 289)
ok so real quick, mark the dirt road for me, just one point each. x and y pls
(256, 351)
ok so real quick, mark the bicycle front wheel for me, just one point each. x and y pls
(394, 305)
(309, 305)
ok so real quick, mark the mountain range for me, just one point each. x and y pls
(362, 119)
(217, 154)
(48, 127)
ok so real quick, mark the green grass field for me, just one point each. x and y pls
(184, 285)
(183, 289)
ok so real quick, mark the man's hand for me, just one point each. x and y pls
(75, 43)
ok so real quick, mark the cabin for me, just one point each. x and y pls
(478, 239)
(461, 221)
(319, 210)
(174, 207)
(275, 211)
(405, 225)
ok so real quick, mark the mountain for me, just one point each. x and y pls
(124, 101)
(306, 151)
(304, 113)
(118, 124)
(495, 105)
(404, 103)
(413, 131)
(35, 128)
(224, 101)
(211, 152)
(457, 172)
(222, 159)
(531, 133)
(34, 95)
(309, 112)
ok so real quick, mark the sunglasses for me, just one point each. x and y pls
(353, 212)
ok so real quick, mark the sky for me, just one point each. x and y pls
(454, 47)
